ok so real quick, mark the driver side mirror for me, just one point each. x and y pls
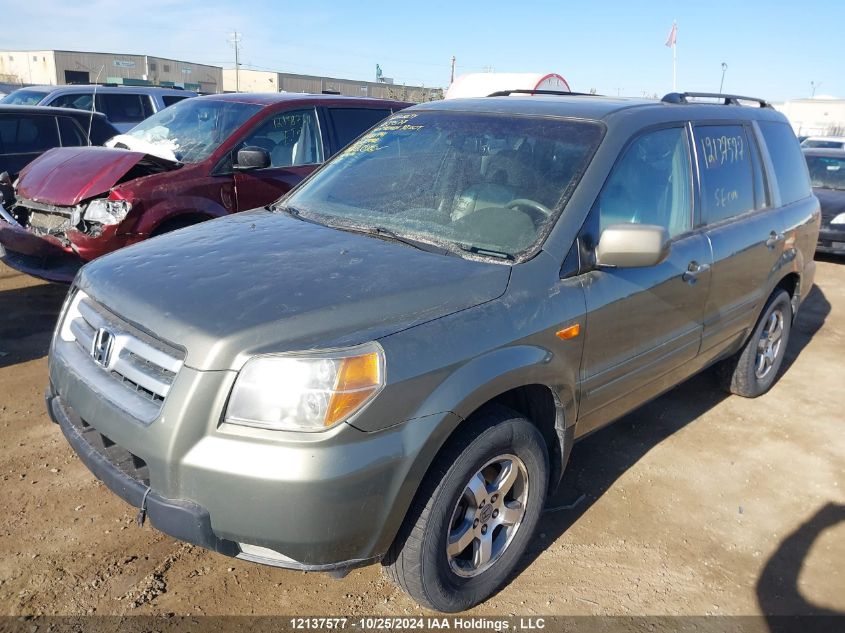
(252, 158)
(633, 245)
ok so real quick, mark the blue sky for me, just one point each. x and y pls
(773, 49)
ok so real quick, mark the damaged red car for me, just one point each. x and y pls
(199, 159)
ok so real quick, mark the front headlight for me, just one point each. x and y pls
(70, 311)
(105, 211)
(307, 391)
(839, 219)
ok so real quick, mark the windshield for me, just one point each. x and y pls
(822, 144)
(827, 172)
(24, 97)
(192, 129)
(486, 183)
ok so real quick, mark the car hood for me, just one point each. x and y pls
(65, 176)
(262, 282)
(832, 202)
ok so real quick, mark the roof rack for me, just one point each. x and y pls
(523, 91)
(684, 97)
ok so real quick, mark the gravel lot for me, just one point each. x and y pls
(697, 503)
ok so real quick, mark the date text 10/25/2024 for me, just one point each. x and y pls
(418, 623)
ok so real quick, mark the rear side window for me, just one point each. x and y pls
(726, 171)
(27, 134)
(169, 100)
(790, 167)
(72, 134)
(123, 108)
(349, 123)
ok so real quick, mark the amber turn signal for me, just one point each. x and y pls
(569, 332)
(358, 379)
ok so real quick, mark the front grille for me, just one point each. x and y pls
(49, 222)
(135, 360)
(128, 463)
(49, 218)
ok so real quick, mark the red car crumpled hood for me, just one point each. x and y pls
(65, 176)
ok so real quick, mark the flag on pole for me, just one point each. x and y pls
(673, 35)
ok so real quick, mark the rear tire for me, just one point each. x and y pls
(753, 370)
(474, 514)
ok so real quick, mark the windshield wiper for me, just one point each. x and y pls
(385, 233)
(292, 212)
(476, 250)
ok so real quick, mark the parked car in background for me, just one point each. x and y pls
(124, 106)
(392, 363)
(27, 132)
(824, 142)
(202, 158)
(827, 175)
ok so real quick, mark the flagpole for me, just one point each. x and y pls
(674, 56)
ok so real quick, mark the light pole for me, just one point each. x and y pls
(722, 84)
(814, 86)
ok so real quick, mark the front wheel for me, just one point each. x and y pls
(752, 371)
(474, 514)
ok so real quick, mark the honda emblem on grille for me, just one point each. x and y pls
(102, 347)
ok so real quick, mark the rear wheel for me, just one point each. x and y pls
(474, 514)
(753, 370)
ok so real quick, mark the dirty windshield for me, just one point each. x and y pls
(192, 129)
(486, 184)
(827, 172)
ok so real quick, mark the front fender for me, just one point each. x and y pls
(155, 213)
(492, 374)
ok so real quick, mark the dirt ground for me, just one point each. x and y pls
(697, 503)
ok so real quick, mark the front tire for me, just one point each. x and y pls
(474, 514)
(753, 370)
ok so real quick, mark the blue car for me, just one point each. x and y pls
(124, 106)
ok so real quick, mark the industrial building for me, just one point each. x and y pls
(819, 116)
(52, 67)
(267, 81)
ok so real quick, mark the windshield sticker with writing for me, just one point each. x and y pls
(372, 141)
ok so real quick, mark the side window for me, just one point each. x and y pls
(78, 101)
(27, 134)
(787, 160)
(291, 138)
(169, 100)
(72, 134)
(761, 191)
(650, 184)
(349, 123)
(147, 106)
(121, 108)
(724, 166)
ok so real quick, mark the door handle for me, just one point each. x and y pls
(774, 238)
(693, 271)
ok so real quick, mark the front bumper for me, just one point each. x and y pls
(325, 503)
(35, 255)
(181, 519)
(831, 240)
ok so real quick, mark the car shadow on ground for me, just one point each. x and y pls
(778, 593)
(27, 318)
(600, 459)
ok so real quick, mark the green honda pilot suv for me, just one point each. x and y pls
(392, 363)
